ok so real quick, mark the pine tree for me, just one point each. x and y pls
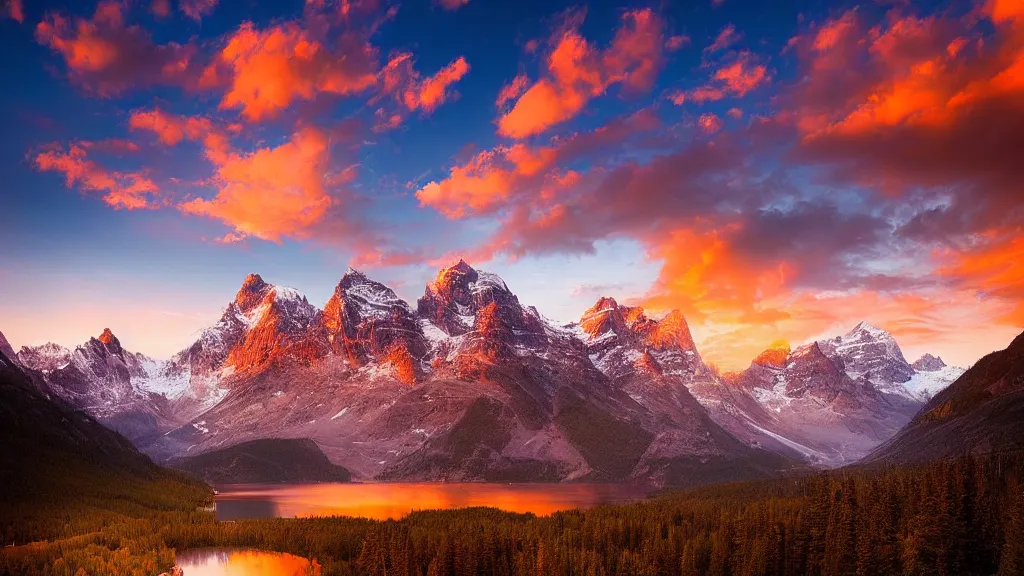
(1012, 563)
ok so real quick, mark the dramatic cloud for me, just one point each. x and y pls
(578, 72)
(273, 192)
(512, 90)
(933, 110)
(870, 171)
(737, 79)
(402, 80)
(270, 193)
(171, 130)
(265, 71)
(106, 57)
(128, 190)
(492, 178)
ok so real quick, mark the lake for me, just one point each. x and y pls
(237, 562)
(383, 501)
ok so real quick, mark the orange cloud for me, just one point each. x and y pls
(271, 193)
(267, 70)
(172, 129)
(493, 178)
(487, 180)
(416, 93)
(512, 90)
(994, 269)
(128, 190)
(741, 76)
(196, 9)
(107, 57)
(579, 72)
(704, 94)
(736, 79)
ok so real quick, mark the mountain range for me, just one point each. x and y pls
(471, 384)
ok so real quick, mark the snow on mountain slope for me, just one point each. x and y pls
(925, 384)
(871, 353)
(44, 358)
(838, 397)
(471, 384)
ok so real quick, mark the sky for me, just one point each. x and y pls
(778, 173)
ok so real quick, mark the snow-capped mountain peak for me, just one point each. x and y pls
(869, 352)
(459, 292)
(44, 358)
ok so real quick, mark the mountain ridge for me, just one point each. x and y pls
(388, 389)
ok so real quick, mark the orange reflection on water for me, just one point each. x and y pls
(224, 562)
(382, 501)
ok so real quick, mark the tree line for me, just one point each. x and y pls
(957, 517)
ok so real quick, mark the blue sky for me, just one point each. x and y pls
(691, 155)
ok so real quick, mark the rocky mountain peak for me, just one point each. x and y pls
(671, 332)
(251, 293)
(870, 352)
(352, 276)
(45, 357)
(6, 349)
(603, 317)
(453, 282)
(607, 317)
(365, 321)
(357, 296)
(453, 299)
(928, 363)
(867, 328)
(774, 356)
(108, 338)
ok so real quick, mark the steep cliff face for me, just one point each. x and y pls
(365, 322)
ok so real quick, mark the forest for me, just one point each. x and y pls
(957, 517)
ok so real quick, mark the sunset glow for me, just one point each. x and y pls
(776, 179)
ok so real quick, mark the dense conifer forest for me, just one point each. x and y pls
(960, 517)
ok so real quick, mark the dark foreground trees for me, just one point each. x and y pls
(962, 517)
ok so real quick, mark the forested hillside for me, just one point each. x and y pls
(961, 517)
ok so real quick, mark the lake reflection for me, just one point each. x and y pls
(382, 501)
(234, 562)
